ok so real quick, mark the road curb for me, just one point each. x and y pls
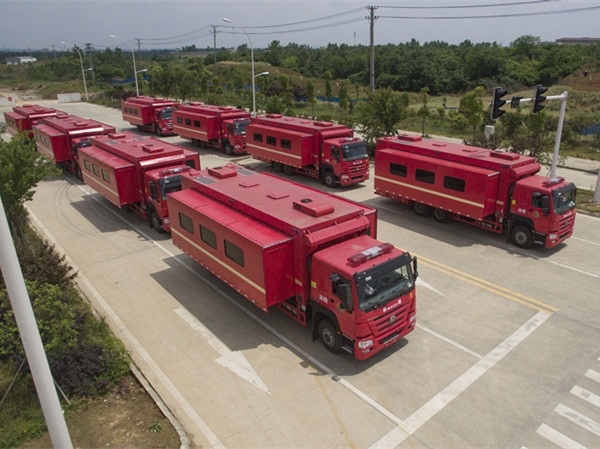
(42, 232)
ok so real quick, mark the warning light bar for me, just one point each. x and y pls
(172, 171)
(369, 254)
(552, 182)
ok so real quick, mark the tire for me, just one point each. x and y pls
(422, 210)
(158, 131)
(522, 236)
(155, 222)
(229, 150)
(289, 170)
(329, 179)
(441, 215)
(330, 337)
(78, 173)
(277, 166)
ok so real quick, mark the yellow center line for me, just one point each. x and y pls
(489, 286)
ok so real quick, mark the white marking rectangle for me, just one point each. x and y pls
(558, 438)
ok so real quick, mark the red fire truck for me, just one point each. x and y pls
(150, 114)
(494, 190)
(319, 149)
(23, 117)
(60, 138)
(136, 173)
(214, 126)
(311, 254)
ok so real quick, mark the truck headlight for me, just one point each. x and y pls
(553, 236)
(412, 318)
(365, 344)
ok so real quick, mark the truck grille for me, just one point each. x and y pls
(390, 324)
(357, 169)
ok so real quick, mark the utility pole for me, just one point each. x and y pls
(88, 52)
(214, 27)
(30, 336)
(139, 43)
(371, 18)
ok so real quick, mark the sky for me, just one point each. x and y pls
(175, 23)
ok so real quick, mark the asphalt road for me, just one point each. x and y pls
(505, 354)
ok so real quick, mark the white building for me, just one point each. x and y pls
(20, 60)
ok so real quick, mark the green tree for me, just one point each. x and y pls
(343, 94)
(328, 89)
(310, 95)
(21, 169)
(424, 111)
(379, 115)
(274, 53)
(185, 83)
(162, 80)
(471, 106)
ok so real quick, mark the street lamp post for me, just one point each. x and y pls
(261, 74)
(137, 89)
(252, 60)
(82, 71)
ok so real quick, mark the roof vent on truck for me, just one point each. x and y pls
(505, 155)
(408, 138)
(314, 208)
(222, 172)
(115, 136)
(324, 124)
(150, 148)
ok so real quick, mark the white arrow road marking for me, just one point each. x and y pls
(422, 283)
(232, 360)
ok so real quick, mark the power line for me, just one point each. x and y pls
(307, 21)
(495, 16)
(489, 5)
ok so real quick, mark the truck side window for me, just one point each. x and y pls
(186, 223)
(190, 163)
(180, 120)
(234, 252)
(425, 176)
(286, 144)
(398, 169)
(257, 137)
(271, 140)
(197, 123)
(86, 164)
(229, 130)
(188, 122)
(453, 183)
(536, 200)
(208, 237)
(335, 153)
(153, 190)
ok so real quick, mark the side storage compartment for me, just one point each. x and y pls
(254, 259)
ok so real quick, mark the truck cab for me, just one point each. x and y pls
(542, 210)
(344, 160)
(158, 183)
(76, 144)
(234, 135)
(164, 120)
(363, 294)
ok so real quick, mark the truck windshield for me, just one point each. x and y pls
(239, 128)
(168, 185)
(354, 151)
(166, 113)
(564, 198)
(381, 284)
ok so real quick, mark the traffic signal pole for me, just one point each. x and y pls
(561, 120)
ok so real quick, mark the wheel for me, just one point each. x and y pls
(277, 166)
(158, 131)
(78, 172)
(521, 236)
(329, 179)
(229, 150)
(441, 215)
(155, 222)
(422, 210)
(330, 336)
(195, 142)
(289, 170)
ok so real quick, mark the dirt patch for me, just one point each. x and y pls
(125, 418)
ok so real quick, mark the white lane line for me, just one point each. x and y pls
(586, 241)
(581, 420)
(574, 269)
(447, 340)
(138, 347)
(594, 375)
(586, 395)
(558, 438)
(448, 394)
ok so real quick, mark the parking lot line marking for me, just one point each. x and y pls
(447, 340)
(513, 296)
(459, 385)
(586, 395)
(574, 269)
(581, 420)
(594, 375)
(558, 438)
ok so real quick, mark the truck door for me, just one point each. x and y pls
(342, 302)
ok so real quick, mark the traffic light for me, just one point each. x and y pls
(538, 98)
(497, 103)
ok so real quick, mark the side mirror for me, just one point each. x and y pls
(415, 271)
(344, 290)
